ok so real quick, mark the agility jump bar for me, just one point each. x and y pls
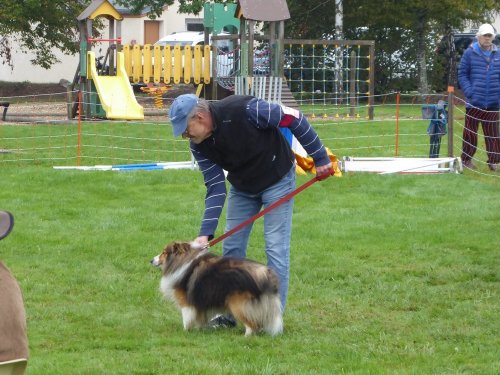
(132, 167)
(388, 165)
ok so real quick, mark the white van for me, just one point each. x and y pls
(185, 38)
(226, 66)
(197, 38)
(190, 38)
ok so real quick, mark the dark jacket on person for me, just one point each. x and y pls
(254, 158)
(479, 77)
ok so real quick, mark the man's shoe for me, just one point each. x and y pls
(493, 167)
(469, 164)
(222, 321)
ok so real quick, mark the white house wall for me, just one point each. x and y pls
(132, 30)
(25, 71)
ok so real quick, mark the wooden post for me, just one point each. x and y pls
(69, 102)
(215, 77)
(397, 123)
(251, 36)
(281, 48)
(352, 84)
(371, 83)
(79, 142)
(243, 48)
(273, 51)
(119, 37)
(451, 105)
(111, 50)
(87, 97)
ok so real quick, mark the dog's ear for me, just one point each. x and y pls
(181, 247)
(177, 248)
(168, 252)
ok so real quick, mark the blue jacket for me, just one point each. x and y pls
(479, 77)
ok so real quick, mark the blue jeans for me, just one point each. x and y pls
(277, 226)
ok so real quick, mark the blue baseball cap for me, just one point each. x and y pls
(180, 109)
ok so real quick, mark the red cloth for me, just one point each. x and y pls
(286, 121)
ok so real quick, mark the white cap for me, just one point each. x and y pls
(486, 28)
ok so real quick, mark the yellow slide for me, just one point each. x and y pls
(115, 92)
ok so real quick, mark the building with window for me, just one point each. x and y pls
(135, 28)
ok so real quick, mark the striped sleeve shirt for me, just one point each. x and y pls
(262, 115)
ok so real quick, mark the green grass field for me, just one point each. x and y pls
(392, 274)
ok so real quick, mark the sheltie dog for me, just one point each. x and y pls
(203, 284)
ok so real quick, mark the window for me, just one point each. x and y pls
(194, 24)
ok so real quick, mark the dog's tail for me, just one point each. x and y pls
(273, 319)
(266, 313)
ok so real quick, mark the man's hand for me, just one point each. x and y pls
(200, 242)
(324, 171)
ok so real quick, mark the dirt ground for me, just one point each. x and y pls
(8, 89)
(35, 102)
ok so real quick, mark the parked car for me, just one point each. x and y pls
(197, 38)
(190, 38)
(227, 60)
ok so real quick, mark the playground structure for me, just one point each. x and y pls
(164, 64)
(291, 72)
(109, 95)
(114, 92)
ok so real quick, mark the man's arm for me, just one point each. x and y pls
(265, 115)
(215, 182)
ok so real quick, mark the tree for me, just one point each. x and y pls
(421, 21)
(38, 26)
(155, 6)
(404, 31)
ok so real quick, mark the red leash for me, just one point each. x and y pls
(264, 211)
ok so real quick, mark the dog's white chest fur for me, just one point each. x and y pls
(168, 281)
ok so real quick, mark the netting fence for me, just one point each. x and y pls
(336, 76)
(35, 131)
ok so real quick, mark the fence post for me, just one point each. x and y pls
(451, 105)
(397, 122)
(352, 84)
(215, 77)
(69, 102)
(372, 80)
(79, 141)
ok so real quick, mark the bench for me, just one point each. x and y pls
(6, 106)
